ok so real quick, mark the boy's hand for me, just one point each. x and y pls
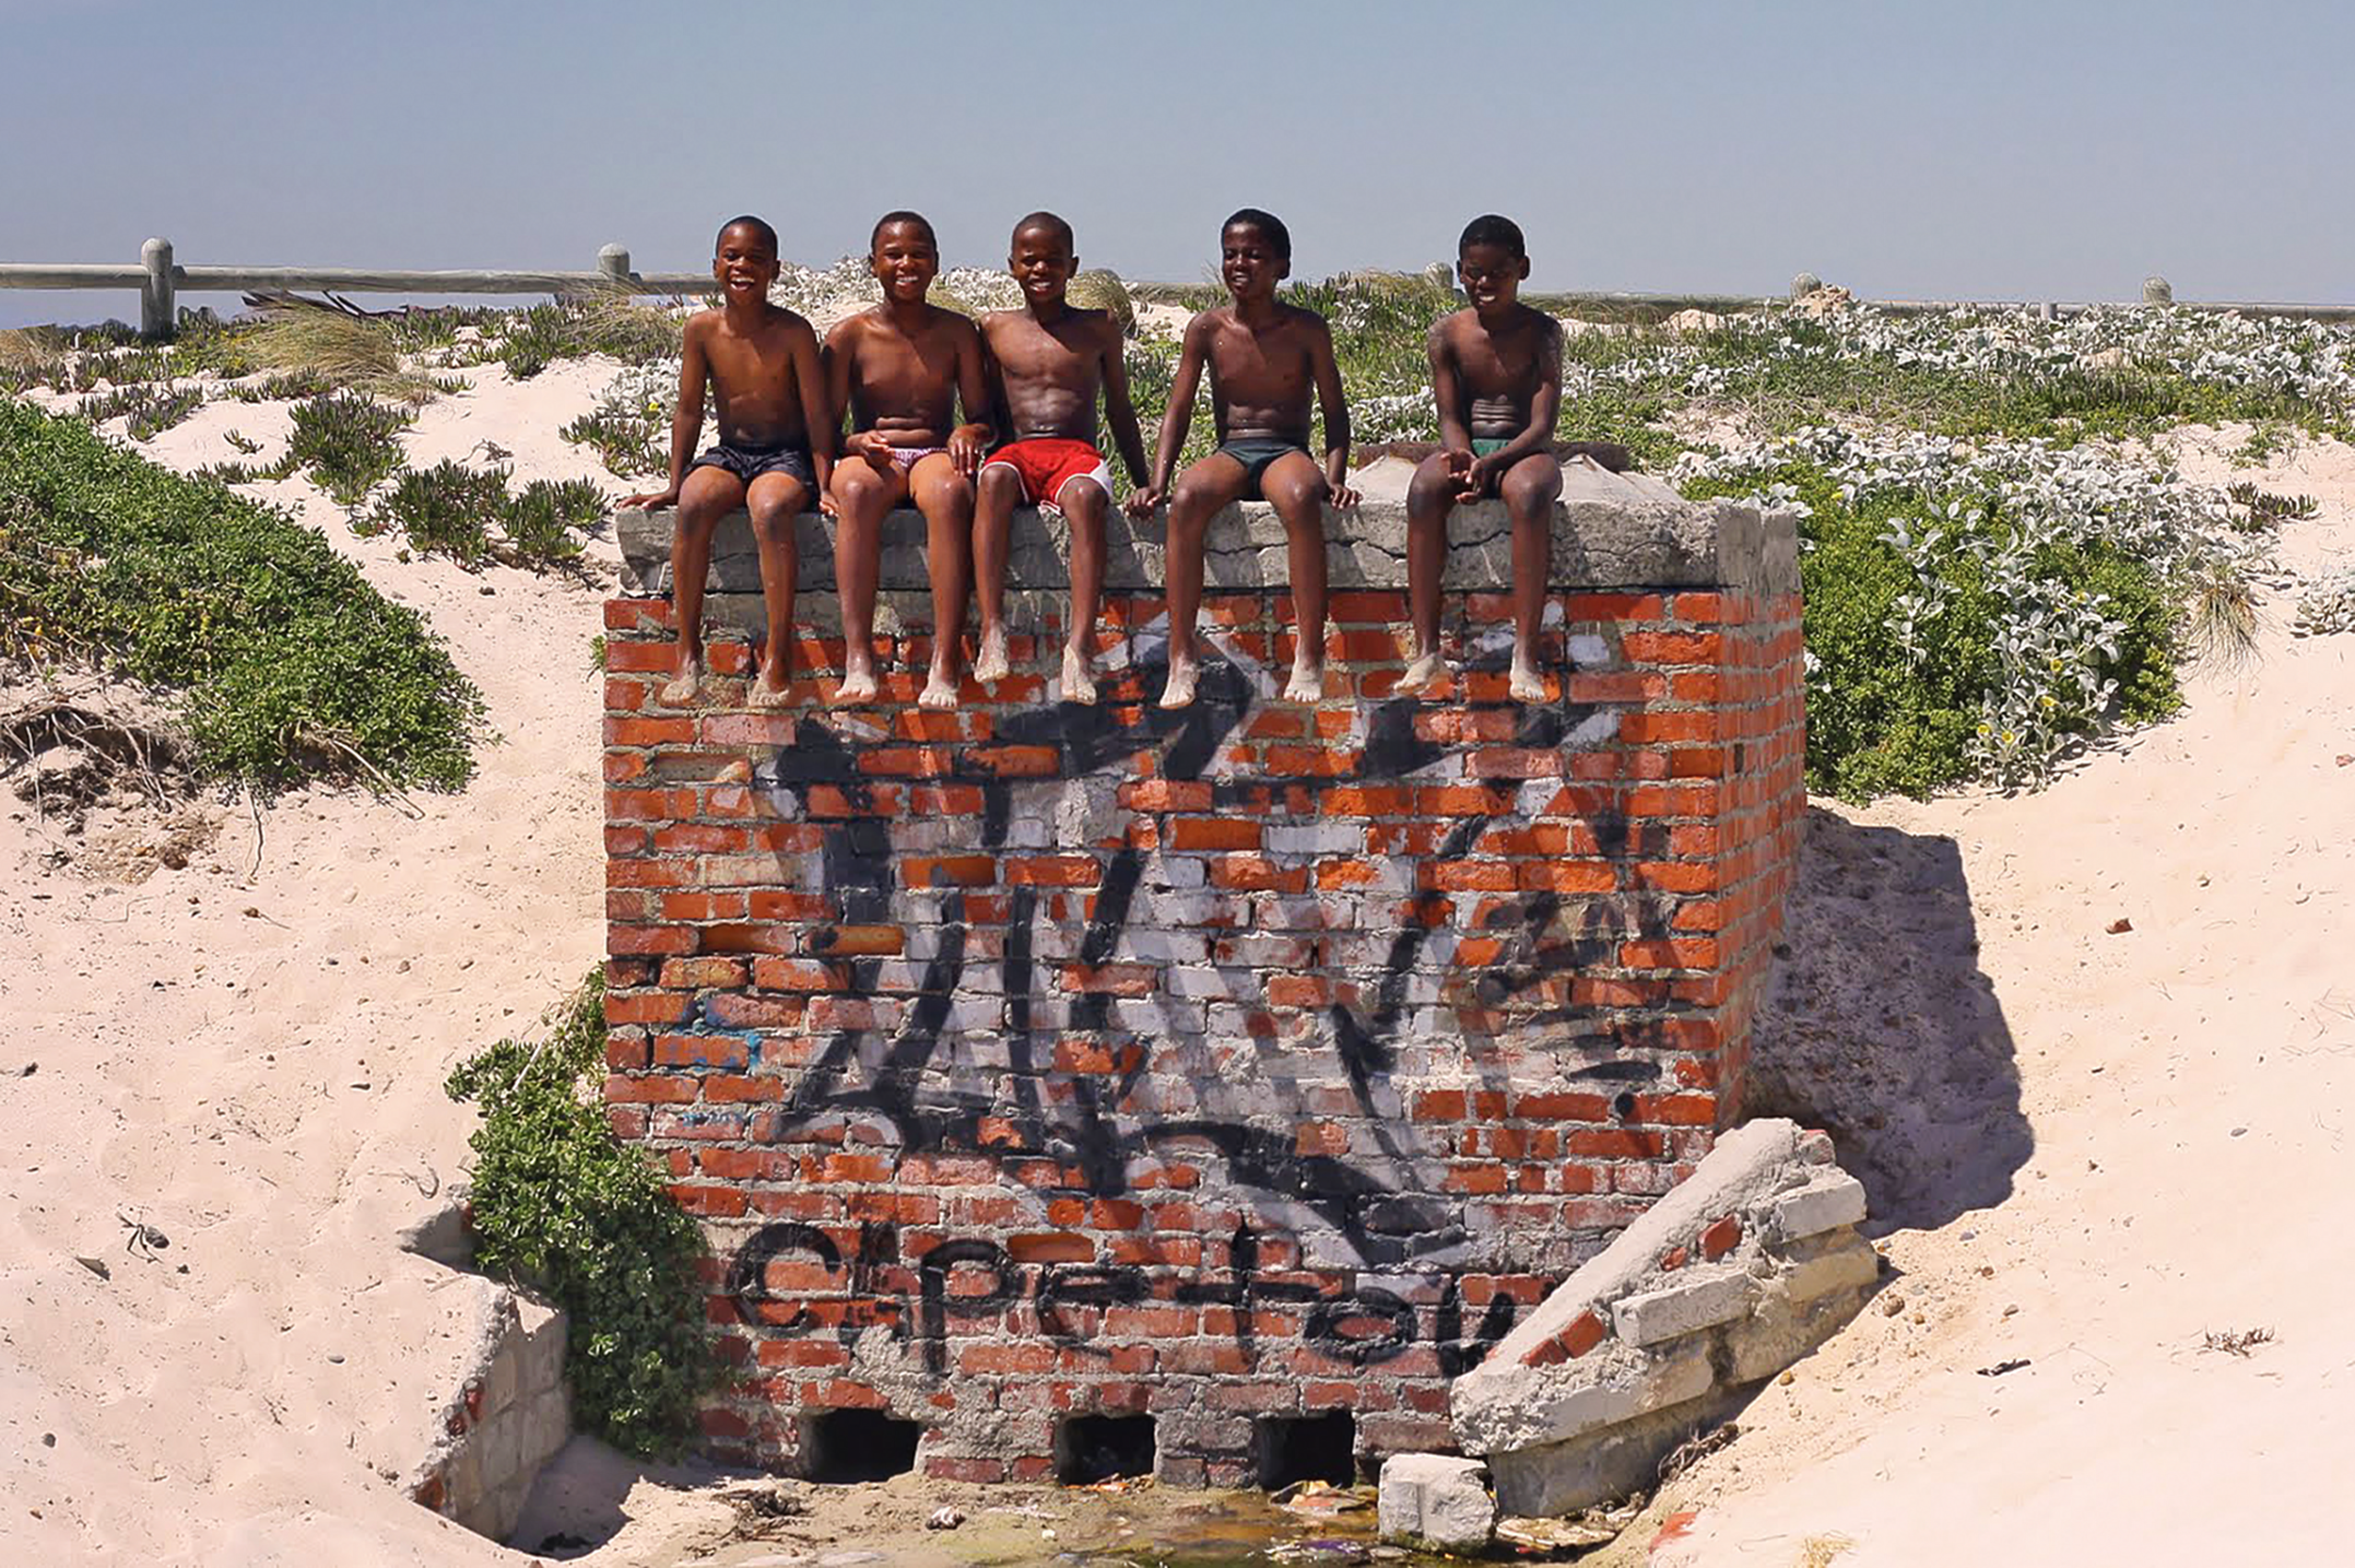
(1480, 478)
(1141, 502)
(656, 498)
(1343, 498)
(1459, 463)
(872, 446)
(967, 444)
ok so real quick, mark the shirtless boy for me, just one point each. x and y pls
(1049, 359)
(1496, 367)
(775, 448)
(1266, 359)
(900, 367)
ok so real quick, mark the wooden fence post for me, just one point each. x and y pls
(158, 301)
(614, 261)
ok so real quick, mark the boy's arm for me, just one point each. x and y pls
(1119, 412)
(1545, 407)
(1002, 408)
(1328, 371)
(818, 416)
(1179, 416)
(969, 441)
(688, 422)
(1447, 391)
(841, 350)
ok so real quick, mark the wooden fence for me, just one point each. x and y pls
(159, 279)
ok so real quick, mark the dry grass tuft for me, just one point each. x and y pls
(30, 351)
(340, 349)
(2224, 616)
(1098, 289)
(1818, 1551)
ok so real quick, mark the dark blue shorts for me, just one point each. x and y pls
(750, 463)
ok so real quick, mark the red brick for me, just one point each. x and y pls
(1582, 1334)
(1212, 832)
(1721, 1237)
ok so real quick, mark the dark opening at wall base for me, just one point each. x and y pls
(844, 1446)
(1092, 1448)
(1307, 1447)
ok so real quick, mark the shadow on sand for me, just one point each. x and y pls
(1878, 1026)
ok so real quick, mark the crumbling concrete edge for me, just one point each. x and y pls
(1745, 1267)
(512, 1411)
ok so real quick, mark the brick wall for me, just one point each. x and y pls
(1036, 1061)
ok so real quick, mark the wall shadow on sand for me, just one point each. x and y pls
(1878, 1026)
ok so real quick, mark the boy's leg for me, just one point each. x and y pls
(1430, 497)
(708, 495)
(1194, 500)
(1295, 487)
(945, 497)
(775, 501)
(1085, 503)
(1530, 488)
(997, 489)
(862, 496)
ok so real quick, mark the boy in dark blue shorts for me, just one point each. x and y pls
(1266, 360)
(775, 451)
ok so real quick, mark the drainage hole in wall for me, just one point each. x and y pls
(1092, 1448)
(1291, 1448)
(843, 1446)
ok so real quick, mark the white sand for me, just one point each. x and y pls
(198, 1069)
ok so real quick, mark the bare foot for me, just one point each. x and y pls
(858, 684)
(1078, 681)
(1307, 683)
(991, 665)
(1421, 674)
(684, 689)
(1525, 685)
(1179, 693)
(940, 691)
(764, 695)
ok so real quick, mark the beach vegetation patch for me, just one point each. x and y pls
(555, 1201)
(347, 442)
(285, 663)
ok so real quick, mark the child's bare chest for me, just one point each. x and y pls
(1241, 356)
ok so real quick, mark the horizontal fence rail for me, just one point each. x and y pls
(159, 279)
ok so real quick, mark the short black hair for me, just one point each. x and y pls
(1270, 226)
(902, 216)
(1493, 229)
(746, 220)
(1048, 220)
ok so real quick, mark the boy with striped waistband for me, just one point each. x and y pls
(1048, 360)
(901, 368)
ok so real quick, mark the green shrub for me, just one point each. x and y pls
(450, 508)
(539, 521)
(557, 1199)
(347, 442)
(289, 664)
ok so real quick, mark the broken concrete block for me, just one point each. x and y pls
(1439, 1499)
(1684, 1308)
(1829, 1201)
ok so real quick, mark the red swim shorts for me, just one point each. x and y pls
(1047, 463)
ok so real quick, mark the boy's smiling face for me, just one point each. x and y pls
(1249, 265)
(1042, 263)
(905, 261)
(1492, 275)
(745, 261)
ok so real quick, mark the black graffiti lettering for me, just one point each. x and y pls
(747, 1275)
(1084, 1285)
(1336, 1327)
(1458, 1355)
(933, 1271)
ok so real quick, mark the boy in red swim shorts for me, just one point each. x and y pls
(1049, 359)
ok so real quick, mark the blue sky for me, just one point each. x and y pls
(1907, 150)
